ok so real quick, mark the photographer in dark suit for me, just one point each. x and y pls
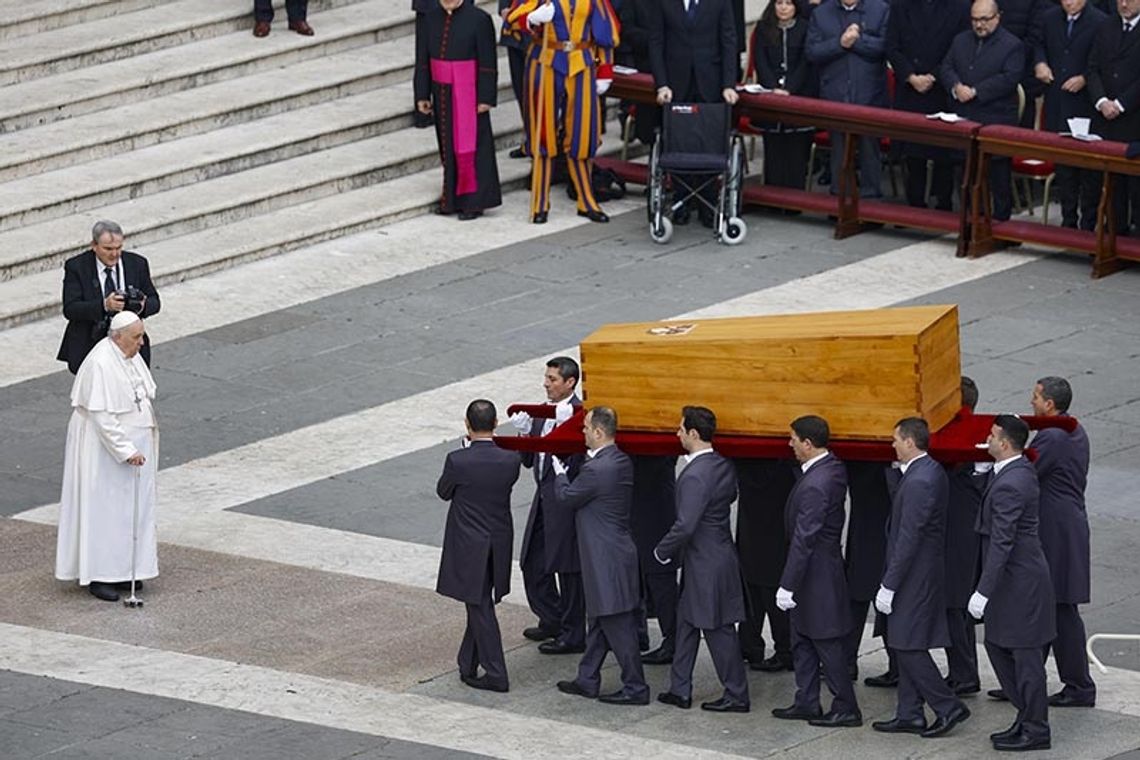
(97, 285)
(475, 566)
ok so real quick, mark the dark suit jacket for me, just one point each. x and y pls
(963, 545)
(857, 75)
(1067, 57)
(561, 545)
(479, 536)
(697, 57)
(599, 499)
(918, 37)
(1022, 19)
(867, 528)
(701, 540)
(1062, 471)
(916, 569)
(1021, 612)
(813, 572)
(654, 508)
(794, 72)
(764, 485)
(83, 303)
(1113, 65)
(994, 71)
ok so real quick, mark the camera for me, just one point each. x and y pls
(132, 299)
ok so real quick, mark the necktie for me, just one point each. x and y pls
(109, 286)
(692, 9)
(1069, 32)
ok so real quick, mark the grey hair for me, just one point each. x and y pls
(102, 227)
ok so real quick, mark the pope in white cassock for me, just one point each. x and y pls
(112, 448)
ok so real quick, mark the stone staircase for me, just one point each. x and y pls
(209, 146)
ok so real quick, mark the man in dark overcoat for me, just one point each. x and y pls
(599, 500)
(712, 597)
(1062, 471)
(475, 566)
(1014, 597)
(813, 586)
(912, 592)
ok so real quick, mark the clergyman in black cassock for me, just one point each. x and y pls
(599, 499)
(813, 585)
(1062, 470)
(475, 566)
(456, 79)
(712, 597)
(912, 594)
(1015, 592)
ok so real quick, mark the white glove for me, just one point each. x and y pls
(603, 85)
(543, 14)
(521, 421)
(557, 465)
(784, 599)
(977, 605)
(883, 600)
(563, 411)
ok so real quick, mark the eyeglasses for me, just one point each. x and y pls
(983, 19)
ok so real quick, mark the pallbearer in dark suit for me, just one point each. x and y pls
(813, 587)
(653, 513)
(1062, 471)
(712, 598)
(475, 566)
(912, 592)
(1015, 594)
(967, 483)
(599, 500)
(549, 545)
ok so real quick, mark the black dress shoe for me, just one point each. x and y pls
(659, 656)
(669, 698)
(539, 218)
(1019, 742)
(538, 633)
(126, 585)
(963, 689)
(726, 705)
(643, 645)
(572, 687)
(943, 723)
(997, 694)
(795, 713)
(838, 720)
(594, 216)
(621, 698)
(896, 726)
(773, 664)
(517, 152)
(887, 680)
(104, 591)
(485, 683)
(1011, 731)
(1061, 699)
(466, 216)
(560, 647)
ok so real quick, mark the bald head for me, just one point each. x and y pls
(985, 17)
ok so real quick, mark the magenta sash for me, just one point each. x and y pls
(461, 75)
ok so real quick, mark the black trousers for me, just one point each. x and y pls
(724, 648)
(541, 589)
(941, 182)
(919, 683)
(1000, 188)
(482, 642)
(572, 599)
(869, 159)
(1069, 651)
(761, 605)
(619, 634)
(659, 599)
(785, 158)
(807, 656)
(516, 60)
(1021, 673)
(1079, 193)
(1126, 202)
(296, 9)
(962, 654)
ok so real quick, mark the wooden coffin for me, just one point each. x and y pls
(860, 370)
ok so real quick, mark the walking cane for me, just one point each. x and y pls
(133, 601)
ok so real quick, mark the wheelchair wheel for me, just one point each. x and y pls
(662, 232)
(735, 230)
(735, 178)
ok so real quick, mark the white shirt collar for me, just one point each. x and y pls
(591, 453)
(690, 457)
(805, 465)
(1000, 464)
(904, 465)
(1074, 17)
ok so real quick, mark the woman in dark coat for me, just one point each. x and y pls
(781, 66)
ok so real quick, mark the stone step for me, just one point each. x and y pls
(144, 77)
(175, 259)
(169, 25)
(190, 112)
(236, 172)
(20, 18)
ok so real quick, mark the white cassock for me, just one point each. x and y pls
(112, 419)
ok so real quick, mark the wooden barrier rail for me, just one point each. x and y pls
(977, 232)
